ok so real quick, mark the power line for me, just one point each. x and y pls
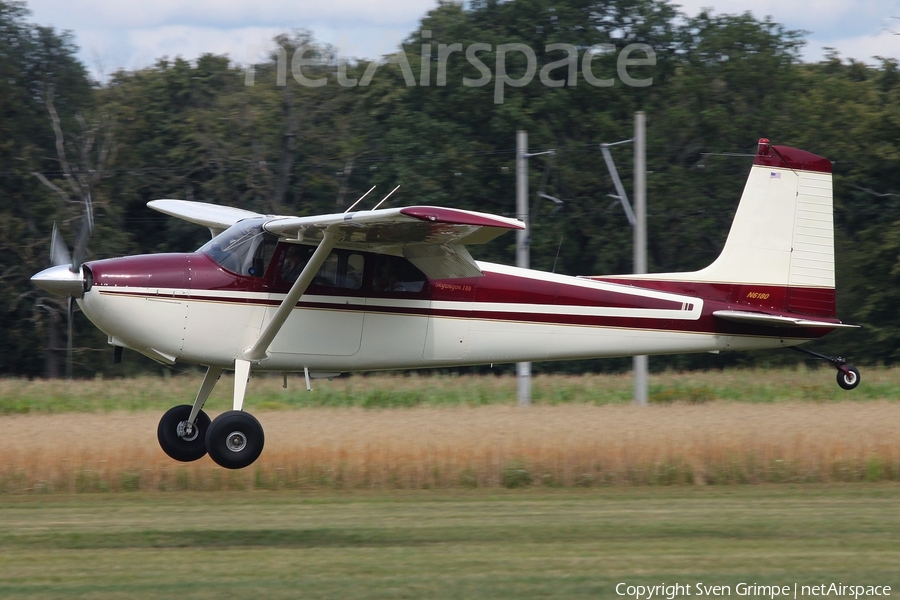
(383, 159)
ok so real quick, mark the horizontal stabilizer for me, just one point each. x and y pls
(755, 318)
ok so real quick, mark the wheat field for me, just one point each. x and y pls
(471, 446)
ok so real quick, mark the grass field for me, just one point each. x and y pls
(431, 447)
(439, 544)
(440, 487)
(18, 396)
(408, 432)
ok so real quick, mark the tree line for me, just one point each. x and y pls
(198, 131)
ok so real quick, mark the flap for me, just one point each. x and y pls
(447, 261)
(217, 218)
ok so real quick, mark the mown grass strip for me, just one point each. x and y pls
(522, 543)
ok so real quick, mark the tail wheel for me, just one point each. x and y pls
(177, 439)
(235, 439)
(848, 379)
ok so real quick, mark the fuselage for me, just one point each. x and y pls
(190, 308)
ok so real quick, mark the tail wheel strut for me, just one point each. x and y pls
(847, 375)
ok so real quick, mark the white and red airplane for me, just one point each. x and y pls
(397, 289)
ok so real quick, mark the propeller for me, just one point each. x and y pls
(59, 253)
(65, 277)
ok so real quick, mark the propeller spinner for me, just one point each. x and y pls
(67, 277)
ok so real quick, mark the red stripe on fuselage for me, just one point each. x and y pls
(780, 300)
(705, 324)
(196, 273)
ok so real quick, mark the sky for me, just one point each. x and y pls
(114, 34)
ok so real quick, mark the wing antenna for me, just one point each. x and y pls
(386, 197)
(352, 206)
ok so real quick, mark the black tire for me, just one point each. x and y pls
(184, 449)
(848, 380)
(235, 439)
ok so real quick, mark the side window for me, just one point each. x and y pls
(353, 274)
(342, 270)
(295, 258)
(328, 272)
(263, 255)
(396, 274)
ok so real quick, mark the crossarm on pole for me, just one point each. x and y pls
(620, 189)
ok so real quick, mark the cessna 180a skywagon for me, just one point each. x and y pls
(396, 288)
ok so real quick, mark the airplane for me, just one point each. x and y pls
(396, 288)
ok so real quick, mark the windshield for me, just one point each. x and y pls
(243, 248)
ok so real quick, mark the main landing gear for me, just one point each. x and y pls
(181, 438)
(234, 439)
(847, 375)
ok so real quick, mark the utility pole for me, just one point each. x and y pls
(640, 237)
(523, 246)
(523, 254)
(638, 220)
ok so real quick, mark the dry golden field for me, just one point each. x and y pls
(714, 442)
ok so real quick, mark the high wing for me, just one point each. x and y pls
(217, 218)
(755, 318)
(431, 238)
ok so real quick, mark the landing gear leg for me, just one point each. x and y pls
(206, 388)
(235, 439)
(847, 375)
(182, 430)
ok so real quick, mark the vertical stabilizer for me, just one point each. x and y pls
(782, 235)
(783, 232)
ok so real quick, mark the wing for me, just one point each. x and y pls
(432, 238)
(217, 218)
(774, 320)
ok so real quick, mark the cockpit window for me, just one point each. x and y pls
(243, 248)
(342, 269)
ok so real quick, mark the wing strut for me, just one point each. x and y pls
(259, 350)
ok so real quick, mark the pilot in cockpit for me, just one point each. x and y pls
(295, 258)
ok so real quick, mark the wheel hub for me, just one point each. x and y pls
(187, 431)
(236, 441)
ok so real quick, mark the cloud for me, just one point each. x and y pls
(229, 14)
(856, 28)
(252, 44)
(131, 35)
(863, 48)
(830, 19)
